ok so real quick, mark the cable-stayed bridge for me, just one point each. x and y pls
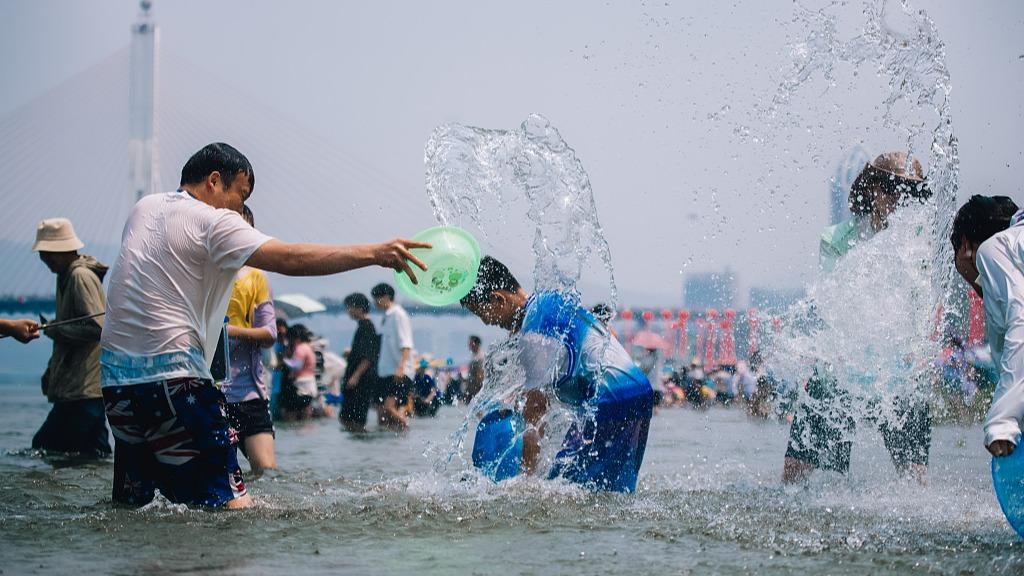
(90, 147)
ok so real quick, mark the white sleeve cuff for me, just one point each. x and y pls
(1006, 429)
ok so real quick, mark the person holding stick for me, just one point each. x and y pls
(76, 422)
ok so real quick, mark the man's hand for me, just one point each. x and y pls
(22, 330)
(396, 255)
(1001, 448)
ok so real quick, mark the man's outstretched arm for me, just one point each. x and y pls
(321, 259)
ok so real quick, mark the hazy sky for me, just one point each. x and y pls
(656, 98)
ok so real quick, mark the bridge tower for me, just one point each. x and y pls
(143, 168)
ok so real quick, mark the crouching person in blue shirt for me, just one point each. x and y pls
(567, 356)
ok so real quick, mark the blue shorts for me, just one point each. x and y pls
(605, 453)
(173, 436)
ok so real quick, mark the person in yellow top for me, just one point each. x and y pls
(252, 326)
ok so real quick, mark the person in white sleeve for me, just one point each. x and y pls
(988, 240)
(168, 295)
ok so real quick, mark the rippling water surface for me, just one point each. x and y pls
(709, 502)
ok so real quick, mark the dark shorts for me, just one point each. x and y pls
(173, 436)
(822, 430)
(250, 417)
(78, 426)
(398, 388)
(291, 400)
(606, 453)
(356, 403)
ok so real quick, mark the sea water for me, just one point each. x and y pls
(709, 499)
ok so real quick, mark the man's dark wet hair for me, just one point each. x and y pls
(357, 301)
(383, 289)
(492, 275)
(476, 340)
(982, 217)
(217, 157)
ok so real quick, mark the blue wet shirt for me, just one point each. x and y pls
(565, 347)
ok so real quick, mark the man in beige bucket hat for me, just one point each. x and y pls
(76, 422)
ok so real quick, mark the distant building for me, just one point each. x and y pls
(775, 298)
(846, 172)
(710, 290)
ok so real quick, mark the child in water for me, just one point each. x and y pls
(568, 356)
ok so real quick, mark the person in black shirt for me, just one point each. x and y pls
(361, 373)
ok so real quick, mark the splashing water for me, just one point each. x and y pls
(484, 177)
(870, 321)
(874, 325)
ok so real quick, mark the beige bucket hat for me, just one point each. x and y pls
(56, 235)
(889, 172)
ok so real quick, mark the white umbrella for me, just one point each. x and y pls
(295, 305)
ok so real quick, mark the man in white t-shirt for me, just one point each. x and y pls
(166, 302)
(394, 365)
(988, 244)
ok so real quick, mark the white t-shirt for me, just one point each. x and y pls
(395, 334)
(1000, 262)
(169, 288)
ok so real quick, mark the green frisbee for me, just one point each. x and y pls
(452, 266)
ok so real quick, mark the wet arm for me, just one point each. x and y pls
(357, 374)
(1003, 420)
(533, 413)
(1004, 325)
(88, 297)
(300, 259)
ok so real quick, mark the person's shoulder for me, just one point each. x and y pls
(1000, 243)
(553, 305)
(257, 277)
(838, 232)
(150, 203)
(553, 302)
(399, 311)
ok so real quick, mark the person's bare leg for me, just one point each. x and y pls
(259, 450)
(534, 410)
(794, 470)
(393, 417)
(243, 501)
(919, 472)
